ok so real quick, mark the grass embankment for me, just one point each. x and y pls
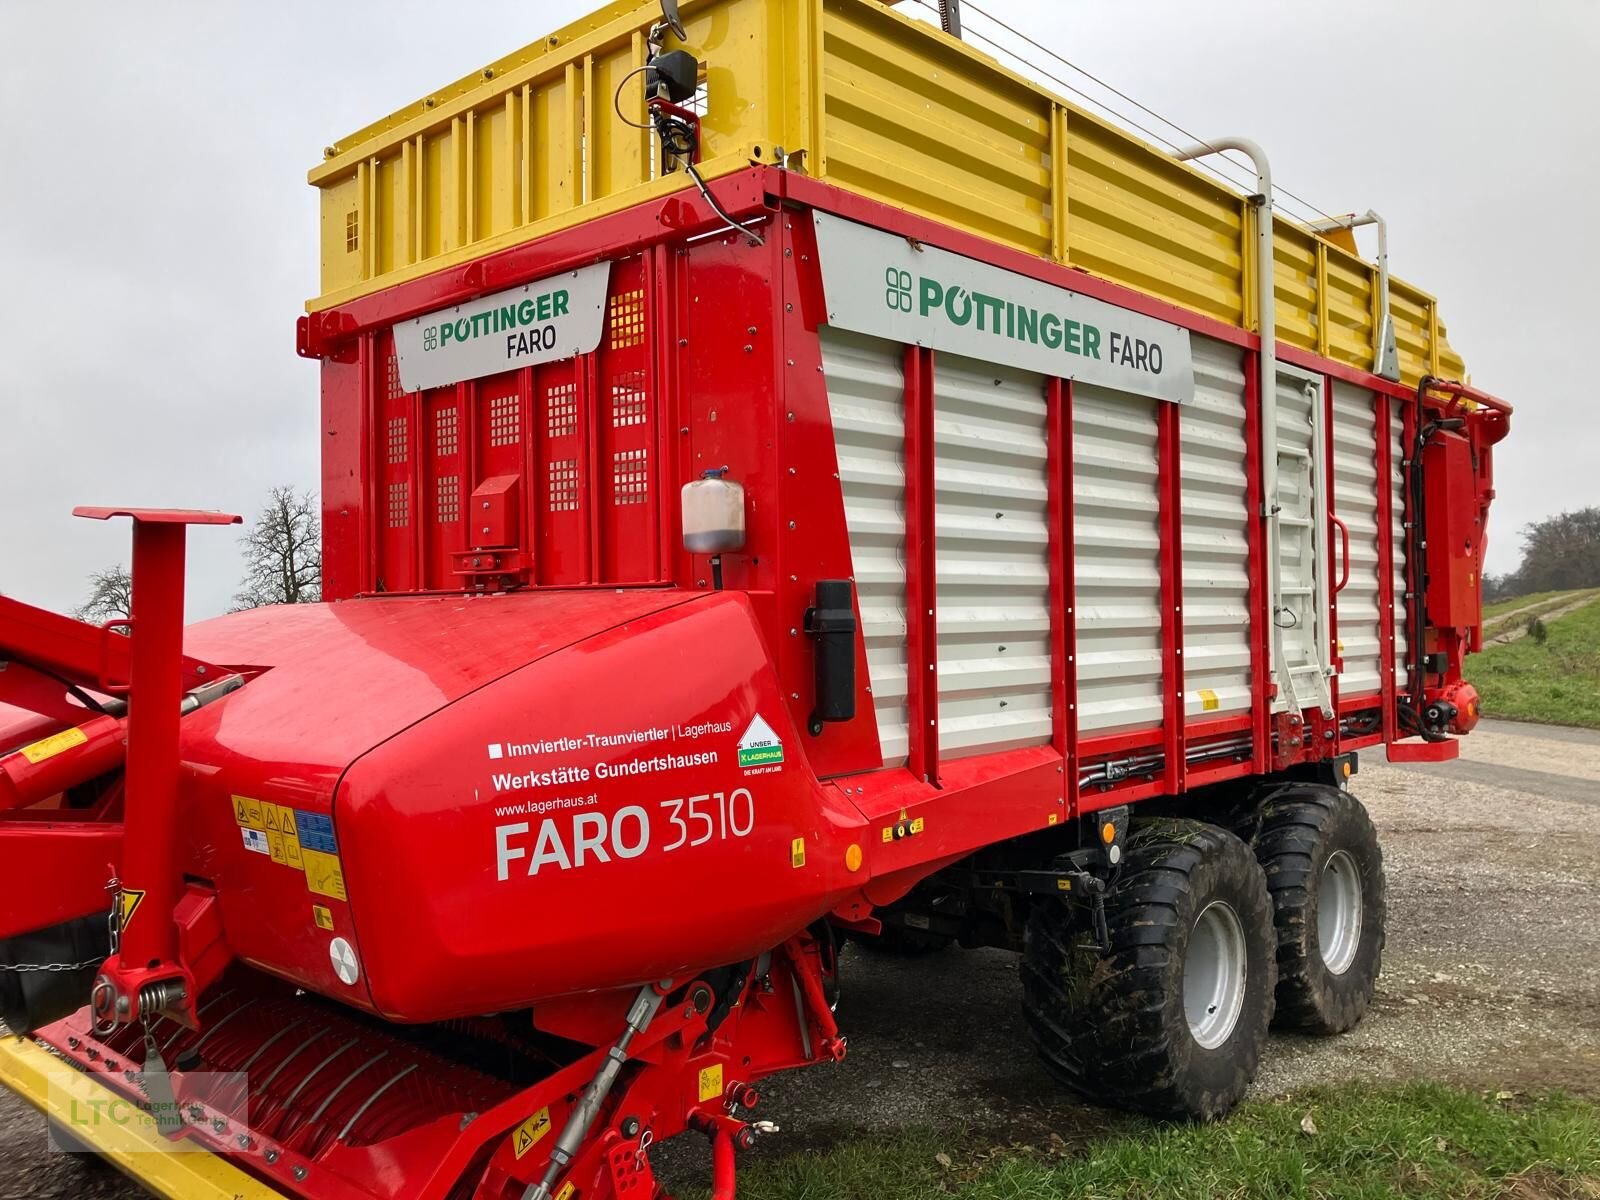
(1500, 607)
(1349, 1143)
(1513, 614)
(1556, 681)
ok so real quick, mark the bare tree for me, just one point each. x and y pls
(110, 596)
(283, 552)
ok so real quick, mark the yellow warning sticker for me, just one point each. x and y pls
(1209, 701)
(324, 875)
(797, 852)
(322, 915)
(566, 1191)
(56, 743)
(710, 1082)
(247, 813)
(917, 825)
(527, 1135)
(131, 899)
(1054, 817)
(888, 833)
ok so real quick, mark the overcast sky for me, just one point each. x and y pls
(158, 239)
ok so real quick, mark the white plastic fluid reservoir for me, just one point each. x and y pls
(713, 514)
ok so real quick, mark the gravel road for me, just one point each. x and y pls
(1491, 978)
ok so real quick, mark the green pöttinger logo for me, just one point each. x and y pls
(897, 293)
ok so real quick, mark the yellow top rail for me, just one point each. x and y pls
(871, 101)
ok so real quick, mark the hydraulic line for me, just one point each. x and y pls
(1417, 560)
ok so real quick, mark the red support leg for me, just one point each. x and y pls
(150, 879)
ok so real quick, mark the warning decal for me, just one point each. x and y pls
(324, 875)
(322, 915)
(760, 747)
(316, 831)
(710, 1083)
(527, 1135)
(269, 829)
(247, 813)
(56, 743)
(131, 899)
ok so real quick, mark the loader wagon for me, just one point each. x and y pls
(786, 479)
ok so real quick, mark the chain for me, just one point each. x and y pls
(114, 886)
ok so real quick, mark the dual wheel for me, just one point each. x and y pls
(1209, 940)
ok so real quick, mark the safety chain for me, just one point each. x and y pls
(114, 886)
(77, 966)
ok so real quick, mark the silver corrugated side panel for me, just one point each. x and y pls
(866, 397)
(1118, 567)
(1216, 549)
(1355, 501)
(1300, 497)
(991, 525)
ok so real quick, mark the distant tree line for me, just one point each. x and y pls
(282, 561)
(1559, 553)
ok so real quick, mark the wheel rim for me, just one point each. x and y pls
(1214, 972)
(1339, 912)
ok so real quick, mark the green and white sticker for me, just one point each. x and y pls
(760, 747)
(890, 287)
(549, 319)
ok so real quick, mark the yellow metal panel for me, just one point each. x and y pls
(1294, 271)
(618, 163)
(134, 1146)
(1410, 308)
(1143, 220)
(1352, 309)
(871, 101)
(931, 131)
(493, 173)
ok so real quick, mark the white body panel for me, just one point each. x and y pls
(1118, 560)
(1355, 500)
(866, 397)
(991, 523)
(1300, 623)
(1215, 535)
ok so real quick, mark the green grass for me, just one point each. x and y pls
(1557, 682)
(1537, 605)
(1516, 602)
(1419, 1140)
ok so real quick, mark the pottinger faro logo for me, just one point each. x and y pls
(430, 338)
(897, 293)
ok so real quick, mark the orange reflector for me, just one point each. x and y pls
(852, 857)
(1108, 833)
(1347, 770)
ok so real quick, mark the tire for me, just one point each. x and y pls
(1316, 842)
(1116, 1027)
